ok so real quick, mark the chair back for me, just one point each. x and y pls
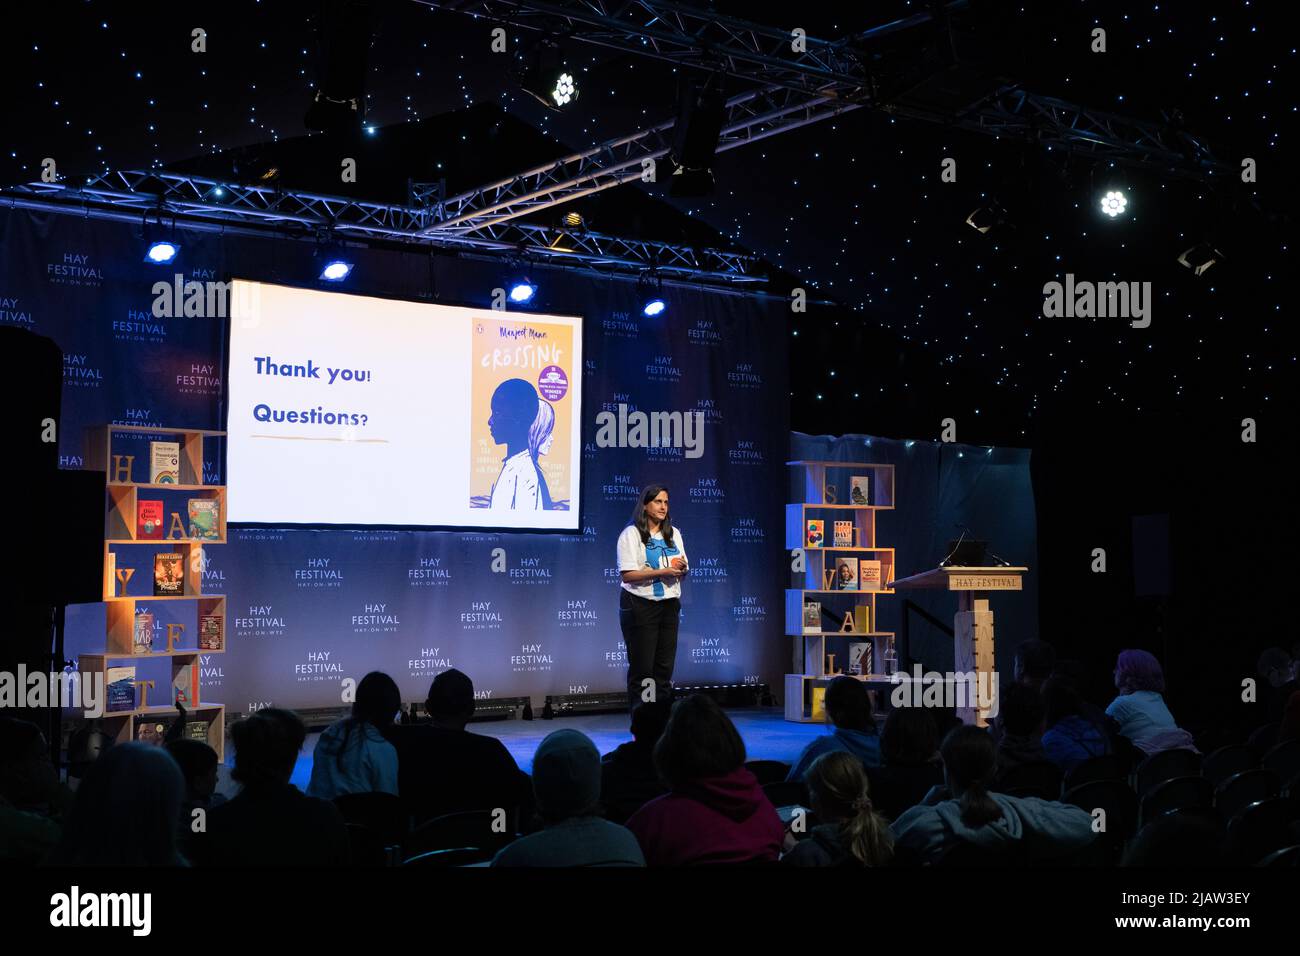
(1103, 767)
(1166, 765)
(1242, 789)
(478, 829)
(368, 847)
(1180, 793)
(1262, 828)
(1283, 759)
(1226, 761)
(380, 812)
(768, 771)
(786, 793)
(1119, 801)
(455, 856)
(1040, 778)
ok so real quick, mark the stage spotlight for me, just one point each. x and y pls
(522, 291)
(161, 251)
(541, 72)
(335, 270)
(701, 111)
(1114, 203)
(1200, 257)
(986, 217)
(649, 289)
(573, 219)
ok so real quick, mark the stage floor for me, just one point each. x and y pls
(767, 736)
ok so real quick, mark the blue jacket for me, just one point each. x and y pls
(1072, 740)
(864, 746)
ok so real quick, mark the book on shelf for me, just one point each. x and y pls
(862, 618)
(869, 575)
(210, 638)
(815, 534)
(846, 574)
(110, 573)
(164, 462)
(859, 657)
(812, 617)
(149, 520)
(858, 490)
(844, 534)
(121, 688)
(818, 703)
(185, 684)
(168, 578)
(197, 730)
(151, 732)
(205, 518)
(142, 634)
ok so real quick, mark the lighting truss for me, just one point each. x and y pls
(192, 201)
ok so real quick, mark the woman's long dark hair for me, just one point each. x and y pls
(378, 701)
(969, 760)
(642, 525)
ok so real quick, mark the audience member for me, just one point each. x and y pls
(126, 811)
(352, 755)
(1033, 662)
(566, 787)
(848, 708)
(850, 831)
(965, 811)
(270, 822)
(1139, 710)
(1290, 727)
(443, 768)
(1071, 736)
(714, 811)
(28, 787)
(628, 777)
(909, 755)
(1021, 708)
(198, 763)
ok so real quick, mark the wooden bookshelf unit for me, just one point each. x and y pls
(826, 497)
(122, 453)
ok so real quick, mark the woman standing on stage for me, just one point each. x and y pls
(652, 560)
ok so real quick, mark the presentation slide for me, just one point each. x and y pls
(358, 411)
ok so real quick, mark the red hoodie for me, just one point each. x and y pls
(725, 819)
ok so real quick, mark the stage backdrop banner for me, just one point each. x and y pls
(939, 490)
(521, 613)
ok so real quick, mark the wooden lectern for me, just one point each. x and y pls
(972, 625)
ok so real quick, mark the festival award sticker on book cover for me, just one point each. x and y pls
(522, 415)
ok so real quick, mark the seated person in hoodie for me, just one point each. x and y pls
(270, 822)
(848, 707)
(1021, 745)
(352, 755)
(1071, 737)
(628, 776)
(965, 810)
(444, 768)
(714, 811)
(909, 761)
(853, 834)
(1139, 710)
(566, 789)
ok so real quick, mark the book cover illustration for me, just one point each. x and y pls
(185, 684)
(818, 703)
(846, 574)
(521, 415)
(844, 534)
(869, 575)
(168, 577)
(142, 639)
(815, 536)
(121, 688)
(149, 520)
(205, 518)
(210, 637)
(164, 462)
(151, 732)
(858, 486)
(859, 657)
(812, 617)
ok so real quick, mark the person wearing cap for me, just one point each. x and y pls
(566, 787)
